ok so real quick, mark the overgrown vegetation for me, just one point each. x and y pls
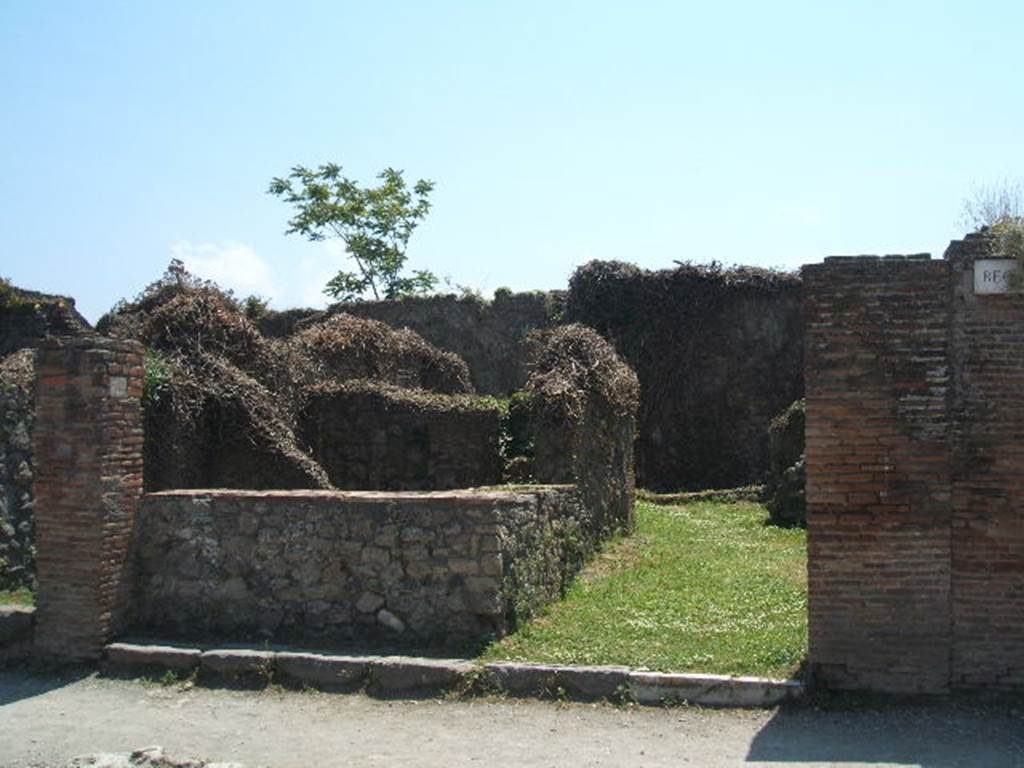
(704, 587)
(157, 377)
(344, 347)
(719, 351)
(576, 363)
(997, 211)
(215, 387)
(7, 292)
(23, 597)
(785, 495)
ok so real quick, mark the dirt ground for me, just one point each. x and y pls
(47, 719)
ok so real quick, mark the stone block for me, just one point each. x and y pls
(523, 679)
(323, 671)
(583, 683)
(710, 690)
(408, 676)
(140, 657)
(237, 664)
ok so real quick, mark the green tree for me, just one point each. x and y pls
(374, 223)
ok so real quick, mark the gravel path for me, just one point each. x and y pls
(48, 720)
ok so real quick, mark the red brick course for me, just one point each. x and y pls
(914, 467)
(988, 480)
(88, 449)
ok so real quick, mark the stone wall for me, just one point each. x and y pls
(914, 481)
(371, 435)
(719, 352)
(88, 450)
(447, 568)
(489, 336)
(17, 500)
(582, 403)
(29, 317)
(784, 486)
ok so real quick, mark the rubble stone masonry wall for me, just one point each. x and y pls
(419, 568)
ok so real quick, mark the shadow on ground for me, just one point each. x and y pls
(27, 680)
(931, 733)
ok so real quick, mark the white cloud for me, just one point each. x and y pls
(238, 267)
(314, 272)
(231, 265)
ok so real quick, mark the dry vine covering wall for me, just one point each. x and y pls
(366, 434)
(227, 407)
(718, 352)
(488, 335)
(582, 403)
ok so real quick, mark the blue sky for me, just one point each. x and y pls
(557, 132)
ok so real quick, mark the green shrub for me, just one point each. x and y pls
(157, 376)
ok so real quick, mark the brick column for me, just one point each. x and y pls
(88, 451)
(879, 472)
(988, 478)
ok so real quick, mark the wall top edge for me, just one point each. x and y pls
(504, 493)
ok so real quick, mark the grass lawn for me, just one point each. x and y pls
(705, 587)
(17, 597)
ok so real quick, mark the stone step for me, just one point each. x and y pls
(411, 676)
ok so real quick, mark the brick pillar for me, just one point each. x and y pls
(879, 475)
(88, 452)
(988, 478)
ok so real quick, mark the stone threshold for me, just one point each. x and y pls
(416, 677)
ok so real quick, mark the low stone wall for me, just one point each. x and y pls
(412, 568)
(372, 435)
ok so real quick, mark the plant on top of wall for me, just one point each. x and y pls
(374, 223)
(998, 212)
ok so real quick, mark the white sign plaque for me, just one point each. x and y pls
(994, 276)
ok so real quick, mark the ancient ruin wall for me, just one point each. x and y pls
(88, 449)
(17, 470)
(987, 357)
(582, 415)
(718, 353)
(371, 435)
(914, 474)
(489, 336)
(878, 473)
(27, 319)
(320, 567)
